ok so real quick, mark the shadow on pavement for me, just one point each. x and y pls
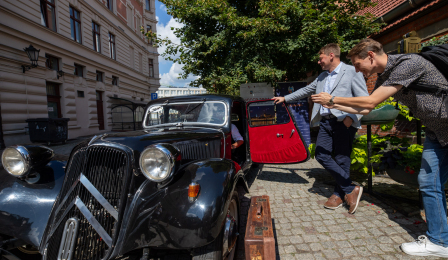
(286, 175)
(371, 206)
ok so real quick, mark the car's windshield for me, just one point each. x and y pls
(206, 112)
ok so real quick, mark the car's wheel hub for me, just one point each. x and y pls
(230, 235)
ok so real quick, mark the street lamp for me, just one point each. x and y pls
(33, 55)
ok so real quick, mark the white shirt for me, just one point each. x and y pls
(236, 134)
(329, 86)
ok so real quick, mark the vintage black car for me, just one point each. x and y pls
(171, 188)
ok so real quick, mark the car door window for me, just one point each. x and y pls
(266, 113)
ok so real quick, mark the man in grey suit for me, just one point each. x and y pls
(337, 129)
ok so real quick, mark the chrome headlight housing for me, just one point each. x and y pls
(20, 160)
(16, 161)
(158, 161)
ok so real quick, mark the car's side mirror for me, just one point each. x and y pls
(234, 117)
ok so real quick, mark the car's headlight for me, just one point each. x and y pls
(157, 162)
(20, 160)
(16, 160)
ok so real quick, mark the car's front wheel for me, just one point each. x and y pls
(224, 246)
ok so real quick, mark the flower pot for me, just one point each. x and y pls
(403, 177)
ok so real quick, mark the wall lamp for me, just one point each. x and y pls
(60, 73)
(33, 55)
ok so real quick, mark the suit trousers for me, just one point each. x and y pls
(333, 148)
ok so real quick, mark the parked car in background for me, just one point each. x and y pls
(169, 189)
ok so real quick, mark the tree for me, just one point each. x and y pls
(230, 42)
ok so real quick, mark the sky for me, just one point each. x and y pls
(168, 71)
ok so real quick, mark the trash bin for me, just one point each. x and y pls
(48, 130)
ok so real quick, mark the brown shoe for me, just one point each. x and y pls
(353, 198)
(333, 202)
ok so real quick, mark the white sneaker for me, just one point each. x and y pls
(423, 247)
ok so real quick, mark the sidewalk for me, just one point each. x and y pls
(303, 229)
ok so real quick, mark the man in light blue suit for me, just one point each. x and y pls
(337, 129)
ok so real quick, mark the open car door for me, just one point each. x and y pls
(273, 134)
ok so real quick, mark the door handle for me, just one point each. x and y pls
(278, 135)
(292, 132)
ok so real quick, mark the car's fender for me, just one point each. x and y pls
(24, 207)
(164, 217)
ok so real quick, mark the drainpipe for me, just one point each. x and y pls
(405, 7)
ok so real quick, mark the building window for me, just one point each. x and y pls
(140, 62)
(149, 29)
(148, 5)
(79, 70)
(80, 93)
(47, 14)
(52, 62)
(99, 76)
(114, 81)
(75, 23)
(138, 26)
(113, 55)
(96, 37)
(130, 16)
(131, 50)
(109, 5)
(151, 68)
(53, 100)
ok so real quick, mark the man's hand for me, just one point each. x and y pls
(322, 98)
(236, 144)
(348, 121)
(278, 100)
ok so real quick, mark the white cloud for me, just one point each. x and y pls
(163, 8)
(164, 31)
(157, 18)
(171, 79)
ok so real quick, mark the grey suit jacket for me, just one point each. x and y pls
(348, 83)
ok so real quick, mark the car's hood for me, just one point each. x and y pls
(139, 140)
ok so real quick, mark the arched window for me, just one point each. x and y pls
(139, 111)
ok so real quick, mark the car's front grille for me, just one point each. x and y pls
(194, 149)
(95, 186)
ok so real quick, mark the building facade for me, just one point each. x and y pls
(93, 62)
(165, 91)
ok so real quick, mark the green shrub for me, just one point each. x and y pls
(359, 152)
(435, 41)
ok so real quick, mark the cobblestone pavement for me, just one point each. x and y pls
(303, 229)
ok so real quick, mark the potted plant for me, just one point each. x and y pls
(402, 164)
